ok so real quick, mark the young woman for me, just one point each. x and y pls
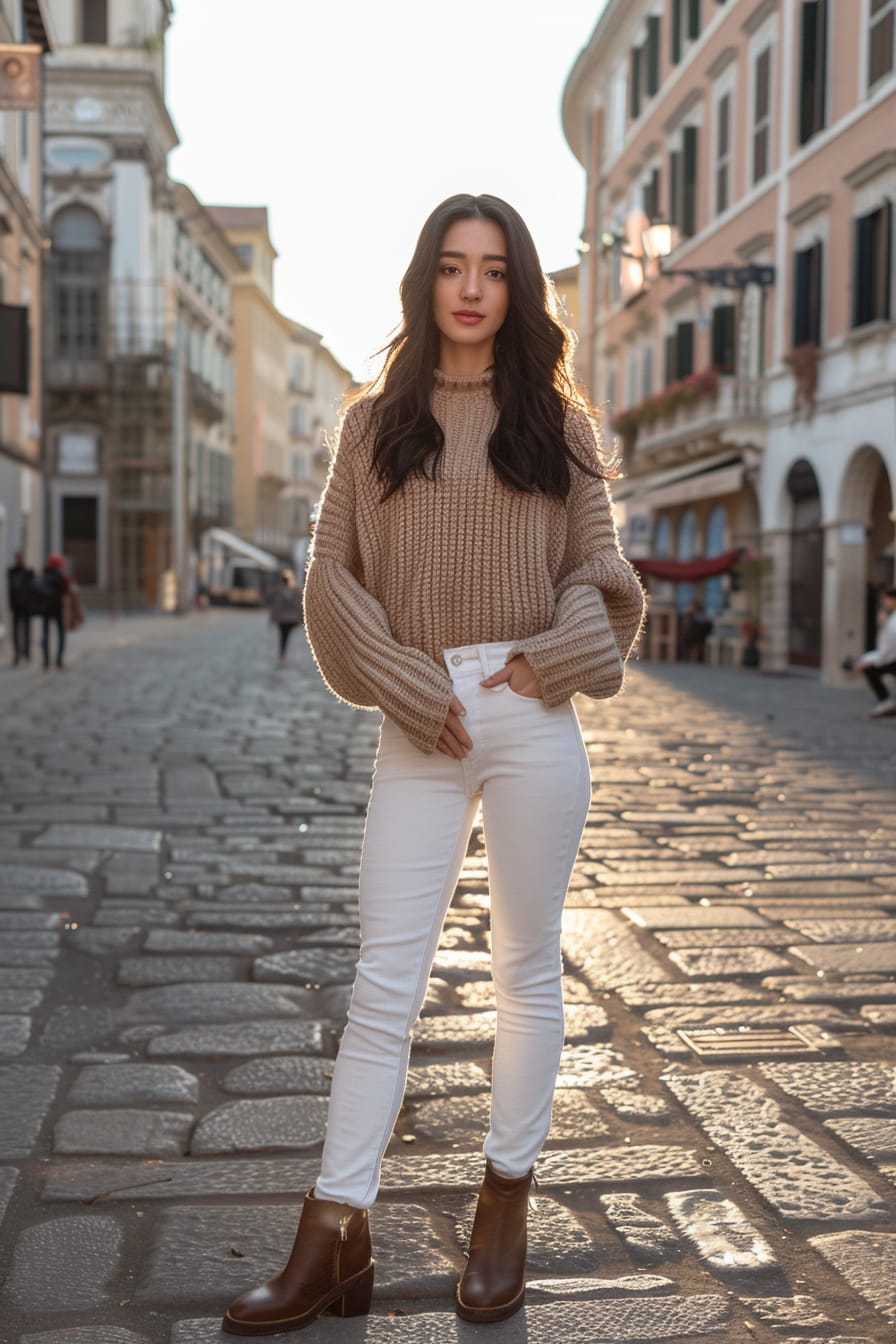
(466, 579)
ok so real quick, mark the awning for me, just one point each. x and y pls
(231, 542)
(707, 478)
(686, 571)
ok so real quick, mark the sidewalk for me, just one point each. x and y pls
(180, 824)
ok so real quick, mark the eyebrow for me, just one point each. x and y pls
(494, 256)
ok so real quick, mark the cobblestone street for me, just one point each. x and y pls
(181, 823)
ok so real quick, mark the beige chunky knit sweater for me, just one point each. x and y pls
(464, 560)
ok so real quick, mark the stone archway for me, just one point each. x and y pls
(859, 553)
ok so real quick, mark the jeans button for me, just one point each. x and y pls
(456, 660)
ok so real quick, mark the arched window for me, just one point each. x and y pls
(713, 589)
(79, 269)
(686, 550)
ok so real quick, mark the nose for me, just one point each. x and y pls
(471, 289)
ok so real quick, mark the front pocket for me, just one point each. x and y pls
(526, 699)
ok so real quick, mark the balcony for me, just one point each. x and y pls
(697, 415)
(205, 400)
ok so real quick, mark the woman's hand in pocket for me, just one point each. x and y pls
(519, 675)
(454, 740)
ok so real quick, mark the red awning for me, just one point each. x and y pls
(687, 571)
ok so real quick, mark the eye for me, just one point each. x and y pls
(449, 270)
(496, 275)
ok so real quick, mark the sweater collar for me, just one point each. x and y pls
(464, 382)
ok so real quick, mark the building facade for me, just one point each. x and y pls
(317, 385)
(749, 372)
(21, 255)
(111, 301)
(263, 506)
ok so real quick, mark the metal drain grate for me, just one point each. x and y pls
(728, 1043)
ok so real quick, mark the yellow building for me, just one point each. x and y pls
(262, 511)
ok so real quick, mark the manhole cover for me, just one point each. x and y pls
(749, 1042)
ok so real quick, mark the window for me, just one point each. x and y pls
(80, 535)
(299, 419)
(762, 114)
(807, 273)
(644, 72)
(685, 27)
(813, 67)
(872, 270)
(683, 184)
(650, 196)
(679, 352)
(79, 270)
(244, 252)
(78, 455)
(723, 152)
(723, 338)
(300, 470)
(881, 40)
(94, 22)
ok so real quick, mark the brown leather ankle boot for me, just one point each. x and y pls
(493, 1285)
(330, 1271)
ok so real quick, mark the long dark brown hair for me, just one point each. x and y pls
(534, 384)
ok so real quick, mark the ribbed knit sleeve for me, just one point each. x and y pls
(348, 630)
(599, 599)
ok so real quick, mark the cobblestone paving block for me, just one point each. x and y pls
(127, 1084)
(730, 1246)
(799, 1311)
(583, 1290)
(851, 990)
(123, 1133)
(647, 1238)
(557, 1241)
(282, 1074)
(77, 1026)
(86, 1334)
(882, 1016)
(212, 1003)
(873, 1138)
(240, 1038)
(20, 1001)
(850, 930)
(26, 1094)
(103, 941)
(8, 1178)
(25, 977)
(706, 993)
(226, 917)
(272, 1122)
(694, 917)
(63, 1264)
(439, 1080)
(618, 1321)
(714, 962)
(760, 1015)
(849, 958)
(15, 1033)
(797, 1177)
(867, 1261)
(838, 1086)
(130, 838)
(603, 948)
(631, 1164)
(635, 1105)
(234, 944)
(320, 966)
(721, 938)
(139, 972)
(213, 1254)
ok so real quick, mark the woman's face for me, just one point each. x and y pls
(470, 296)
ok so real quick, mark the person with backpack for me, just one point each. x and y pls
(51, 589)
(19, 581)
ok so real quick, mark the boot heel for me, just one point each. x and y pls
(356, 1301)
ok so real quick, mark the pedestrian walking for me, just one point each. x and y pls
(286, 609)
(19, 584)
(51, 589)
(466, 579)
(880, 662)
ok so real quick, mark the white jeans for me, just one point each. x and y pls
(529, 768)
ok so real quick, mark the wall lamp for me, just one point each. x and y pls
(660, 239)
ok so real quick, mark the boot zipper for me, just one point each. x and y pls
(533, 1202)
(343, 1228)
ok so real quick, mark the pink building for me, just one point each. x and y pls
(755, 394)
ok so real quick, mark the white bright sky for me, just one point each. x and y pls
(352, 119)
